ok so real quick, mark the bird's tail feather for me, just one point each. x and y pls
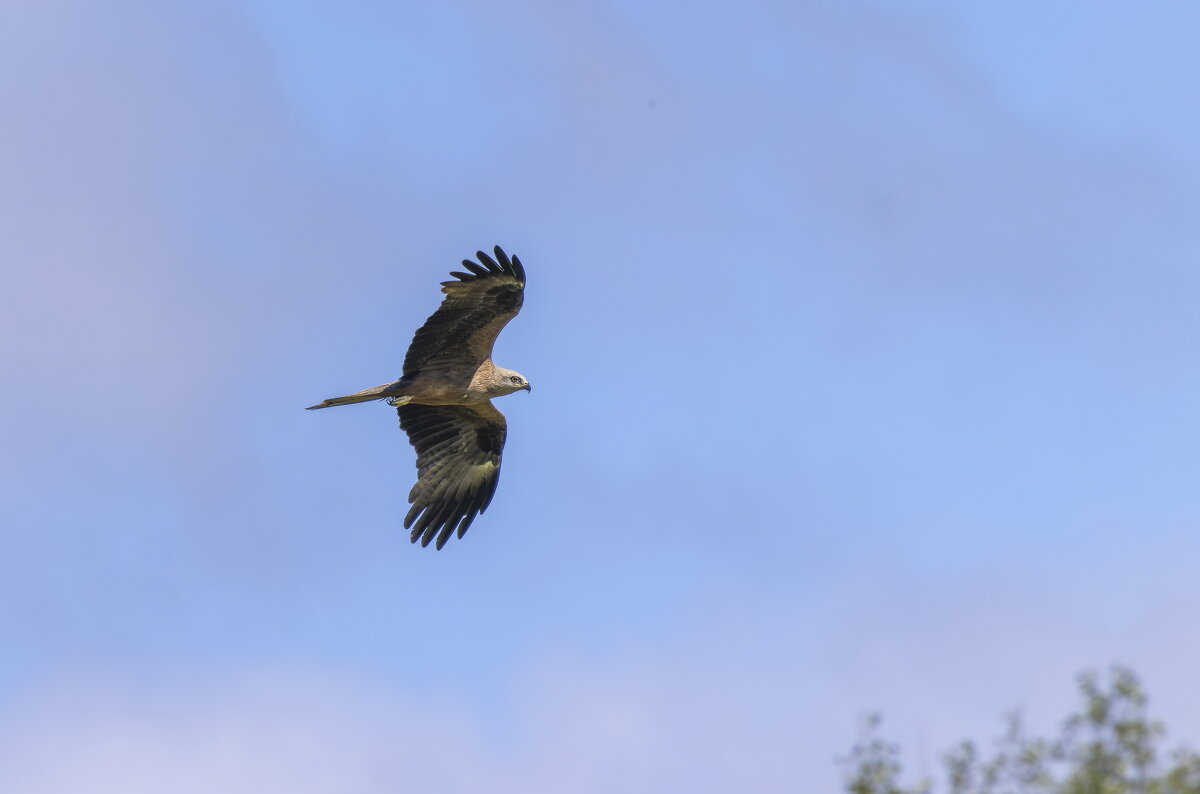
(374, 393)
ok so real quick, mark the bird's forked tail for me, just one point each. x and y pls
(374, 393)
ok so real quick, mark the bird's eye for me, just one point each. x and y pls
(515, 379)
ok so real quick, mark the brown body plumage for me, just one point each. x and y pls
(444, 397)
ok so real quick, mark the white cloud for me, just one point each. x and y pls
(273, 731)
(754, 687)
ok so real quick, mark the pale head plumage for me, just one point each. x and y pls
(506, 381)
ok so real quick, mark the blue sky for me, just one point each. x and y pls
(864, 344)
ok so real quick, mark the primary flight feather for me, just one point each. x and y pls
(444, 397)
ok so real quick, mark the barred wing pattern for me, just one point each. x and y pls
(461, 333)
(458, 466)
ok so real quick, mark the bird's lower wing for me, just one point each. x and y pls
(458, 466)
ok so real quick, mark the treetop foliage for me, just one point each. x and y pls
(1109, 746)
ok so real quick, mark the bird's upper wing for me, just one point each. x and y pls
(458, 466)
(460, 334)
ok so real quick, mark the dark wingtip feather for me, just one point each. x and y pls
(476, 268)
(426, 536)
(413, 512)
(510, 265)
(488, 262)
(435, 520)
(487, 266)
(466, 522)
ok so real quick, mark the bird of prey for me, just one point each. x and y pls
(444, 397)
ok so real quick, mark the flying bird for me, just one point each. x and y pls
(444, 397)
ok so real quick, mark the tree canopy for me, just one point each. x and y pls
(1109, 746)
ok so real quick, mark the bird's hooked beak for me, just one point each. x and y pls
(527, 387)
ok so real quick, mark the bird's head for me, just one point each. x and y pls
(507, 381)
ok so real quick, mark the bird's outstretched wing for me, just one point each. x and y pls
(458, 466)
(460, 334)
